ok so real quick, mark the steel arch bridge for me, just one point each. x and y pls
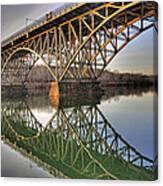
(72, 135)
(78, 42)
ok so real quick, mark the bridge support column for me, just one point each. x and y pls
(54, 94)
(68, 93)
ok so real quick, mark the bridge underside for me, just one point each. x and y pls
(78, 45)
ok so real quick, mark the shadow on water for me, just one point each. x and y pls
(77, 141)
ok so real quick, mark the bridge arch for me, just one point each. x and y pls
(74, 45)
(37, 57)
(124, 45)
(118, 28)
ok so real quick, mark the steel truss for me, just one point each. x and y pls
(81, 47)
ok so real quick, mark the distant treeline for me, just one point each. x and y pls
(116, 78)
(41, 74)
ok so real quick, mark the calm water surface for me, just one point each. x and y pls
(130, 115)
(133, 117)
(13, 164)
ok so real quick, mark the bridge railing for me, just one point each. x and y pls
(35, 22)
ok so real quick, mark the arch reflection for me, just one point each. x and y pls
(77, 141)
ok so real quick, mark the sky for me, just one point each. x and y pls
(136, 57)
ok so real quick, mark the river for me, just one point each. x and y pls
(122, 119)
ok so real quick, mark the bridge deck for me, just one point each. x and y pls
(45, 23)
(54, 20)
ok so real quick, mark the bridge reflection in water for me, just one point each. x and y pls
(76, 142)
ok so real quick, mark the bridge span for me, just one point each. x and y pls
(78, 42)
